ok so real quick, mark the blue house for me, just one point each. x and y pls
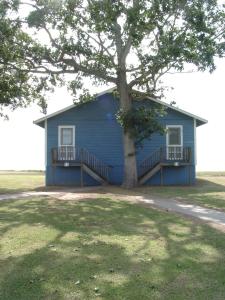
(83, 145)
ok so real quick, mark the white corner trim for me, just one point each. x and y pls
(46, 149)
(66, 126)
(195, 145)
(46, 141)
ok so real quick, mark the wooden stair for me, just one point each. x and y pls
(150, 166)
(160, 158)
(94, 175)
(74, 156)
(149, 174)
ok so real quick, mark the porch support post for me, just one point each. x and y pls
(53, 167)
(189, 174)
(81, 175)
(161, 175)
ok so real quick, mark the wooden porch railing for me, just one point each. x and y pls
(164, 154)
(82, 156)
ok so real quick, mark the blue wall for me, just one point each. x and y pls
(97, 130)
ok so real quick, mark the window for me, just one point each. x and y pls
(66, 143)
(174, 136)
(174, 142)
(66, 136)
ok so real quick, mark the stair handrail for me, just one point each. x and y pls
(95, 163)
(149, 162)
(81, 155)
(161, 155)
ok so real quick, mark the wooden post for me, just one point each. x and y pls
(161, 175)
(189, 174)
(161, 154)
(53, 166)
(81, 175)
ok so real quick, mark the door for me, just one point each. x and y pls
(174, 142)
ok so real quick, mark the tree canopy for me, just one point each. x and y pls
(94, 38)
(128, 43)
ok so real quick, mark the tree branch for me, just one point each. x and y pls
(88, 70)
(119, 43)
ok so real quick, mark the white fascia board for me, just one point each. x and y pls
(71, 106)
(53, 114)
(204, 121)
(106, 92)
(179, 110)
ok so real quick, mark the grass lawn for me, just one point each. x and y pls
(13, 182)
(106, 249)
(209, 191)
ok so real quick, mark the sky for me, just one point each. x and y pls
(203, 94)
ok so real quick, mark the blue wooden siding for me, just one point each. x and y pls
(97, 130)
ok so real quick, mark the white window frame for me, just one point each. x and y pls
(59, 137)
(66, 152)
(167, 140)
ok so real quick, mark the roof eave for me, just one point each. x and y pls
(201, 120)
(38, 121)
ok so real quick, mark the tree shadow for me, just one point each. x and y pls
(206, 193)
(64, 250)
(202, 185)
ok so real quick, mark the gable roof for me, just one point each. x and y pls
(199, 120)
(38, 121)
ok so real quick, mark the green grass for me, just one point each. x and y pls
(14, 182)
(208, 192)
(123, 250)
(211, 173)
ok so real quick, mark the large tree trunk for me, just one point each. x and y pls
(130, 165)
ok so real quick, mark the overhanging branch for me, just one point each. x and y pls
(88, 70)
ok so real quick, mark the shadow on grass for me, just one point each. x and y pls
(68, 250)
(202, 185)
(207, 192)
(4, 191)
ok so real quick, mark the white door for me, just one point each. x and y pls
(174, 142)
